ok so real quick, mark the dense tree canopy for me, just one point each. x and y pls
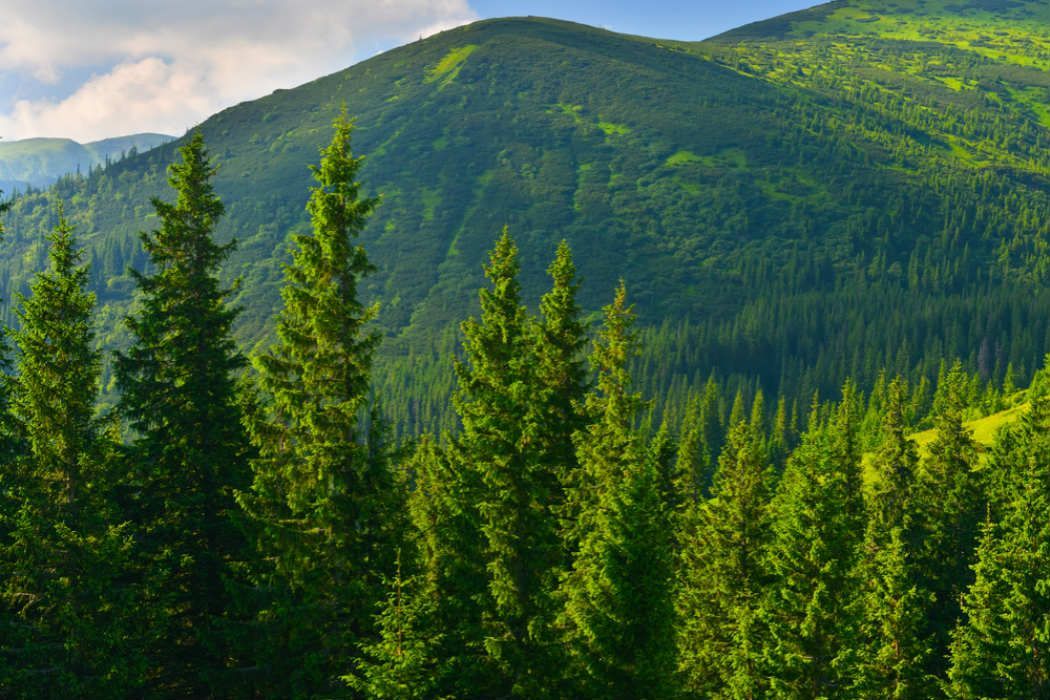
(188, 451)
(236, 530)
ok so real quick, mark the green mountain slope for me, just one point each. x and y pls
(859, 186)
(39, 162)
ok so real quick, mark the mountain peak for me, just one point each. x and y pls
(38, 162)
(956, 21)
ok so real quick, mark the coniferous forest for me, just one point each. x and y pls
(243, 527)
(772, 420)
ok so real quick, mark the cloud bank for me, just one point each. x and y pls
(167, 66)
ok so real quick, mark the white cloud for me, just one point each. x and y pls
(173, 64)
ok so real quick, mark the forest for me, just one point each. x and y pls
(248, 524)
(766, 195)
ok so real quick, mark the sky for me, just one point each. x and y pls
(92, 69)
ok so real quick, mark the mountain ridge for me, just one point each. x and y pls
(787, 186)
(39, 162)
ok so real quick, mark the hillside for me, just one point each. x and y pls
(768, 194)
(39, 162)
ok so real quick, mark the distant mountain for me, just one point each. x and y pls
(39, 162)
(862, 185)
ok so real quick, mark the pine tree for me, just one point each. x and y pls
(999, 650)
(431, 642)
(189, 452)
(67, 552)
(952, 510)
(736, 413)
(520, 396)
(894, 647)
(12, 629)
(562, 382)
(400, 663)
(690, 460)
(617, 619)
(322, 487)
(890, 659)
(698, 447)
(663, 453)
(58, 370)
(780, 438)
(503, 441)
(724, 576)
(817, 526)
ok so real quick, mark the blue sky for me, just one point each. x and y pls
(90, 69)
(665, 19)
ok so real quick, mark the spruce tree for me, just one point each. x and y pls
(189, 450)
(894, 647)
(690, 459)
(67, 552)
(700, 444)
(617, 617)
(952, 510)
(998, 650)
(431, 642)
(724, 578)
(561, 381)
(322, 492)
(697, 448)
(817, 527)
(503, 442)
(520, 397)
(891, 657)
(12, 629)
(57, 377)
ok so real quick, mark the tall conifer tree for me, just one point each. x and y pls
(520, 394)
(69, 553)
(12, 629)
(431, 642)
(189, 451)
(817, 527)
(617, 619)
(724, 577)
(11, 443)
(891, 657)
(322, 491)
(503, 442)
(999, 650)
(952, 510)
(561, 381)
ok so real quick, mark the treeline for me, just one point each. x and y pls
(775, 243)
(253, 531)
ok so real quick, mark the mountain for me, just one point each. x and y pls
(859, 186)
(39, 162)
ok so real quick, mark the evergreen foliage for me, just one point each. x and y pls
(188, 453)
(725, 577)
(816, 532)
(322, 493)
(617, 617)
(429, 641)
(503, 442)
(68, 558)
(953, 507)
(891, 656)
(561, 385)
(997, 652)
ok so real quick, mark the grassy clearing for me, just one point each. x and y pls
(448, 67)
(984, 429)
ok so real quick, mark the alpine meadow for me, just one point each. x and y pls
(533, 360)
